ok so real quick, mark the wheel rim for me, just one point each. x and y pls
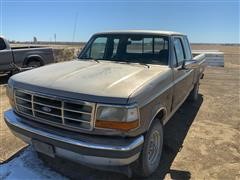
(154, 147)
(34, 64)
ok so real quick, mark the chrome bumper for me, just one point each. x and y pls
(123, 152)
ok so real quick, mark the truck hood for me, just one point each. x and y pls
(88, 80)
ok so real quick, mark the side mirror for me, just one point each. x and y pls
(184, 65)
(190, 64)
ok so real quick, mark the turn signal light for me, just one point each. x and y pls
(122, 126)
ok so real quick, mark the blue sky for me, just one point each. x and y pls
(203, 21)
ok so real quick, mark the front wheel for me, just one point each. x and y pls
(152, 150)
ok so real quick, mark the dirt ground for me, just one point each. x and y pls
(202, 140)
(9, 144)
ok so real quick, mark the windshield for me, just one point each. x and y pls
(149, 49)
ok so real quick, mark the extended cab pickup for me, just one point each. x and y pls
(109, 106)
(23, 57)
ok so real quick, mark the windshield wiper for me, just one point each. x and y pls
(141, 63)
(96, 60)
(145, 64)
(132, 62)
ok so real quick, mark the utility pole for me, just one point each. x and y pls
(1, 17)
(55, 38)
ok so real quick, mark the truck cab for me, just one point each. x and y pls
(5, 54)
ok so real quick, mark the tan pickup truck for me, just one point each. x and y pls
(109, 106)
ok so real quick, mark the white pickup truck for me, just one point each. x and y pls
(109, 106)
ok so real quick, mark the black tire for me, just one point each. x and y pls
(193, 96)
(144, 166)
(34, 63)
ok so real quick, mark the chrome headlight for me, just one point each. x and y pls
(117, 117)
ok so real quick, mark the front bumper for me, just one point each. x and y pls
(93, 150)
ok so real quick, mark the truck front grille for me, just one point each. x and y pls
(55, 111)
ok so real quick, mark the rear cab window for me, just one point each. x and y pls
(154, 49)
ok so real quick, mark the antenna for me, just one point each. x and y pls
(75, 26)
(1, 17)
(55, 38)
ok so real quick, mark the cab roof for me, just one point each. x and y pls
(147, 32)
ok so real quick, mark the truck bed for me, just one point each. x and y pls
(213, 57)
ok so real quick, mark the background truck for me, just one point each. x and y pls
(12, 58)
(107, 108)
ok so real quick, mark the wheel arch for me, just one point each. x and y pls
(33, 58)
(160, 114)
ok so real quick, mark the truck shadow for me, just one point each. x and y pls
(175, 132)
(3, 79)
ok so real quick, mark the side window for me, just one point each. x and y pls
(187, 49)
(179, 53)
(2, 44)
(98, 48)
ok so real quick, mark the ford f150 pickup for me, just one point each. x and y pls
(12, 58)
(109, 106)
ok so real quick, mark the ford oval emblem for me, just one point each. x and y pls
(46, 109)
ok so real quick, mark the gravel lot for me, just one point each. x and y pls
(201, 140)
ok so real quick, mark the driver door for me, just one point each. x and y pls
(183, 78)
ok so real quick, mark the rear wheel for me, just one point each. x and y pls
(152, 150)
(34, 63)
